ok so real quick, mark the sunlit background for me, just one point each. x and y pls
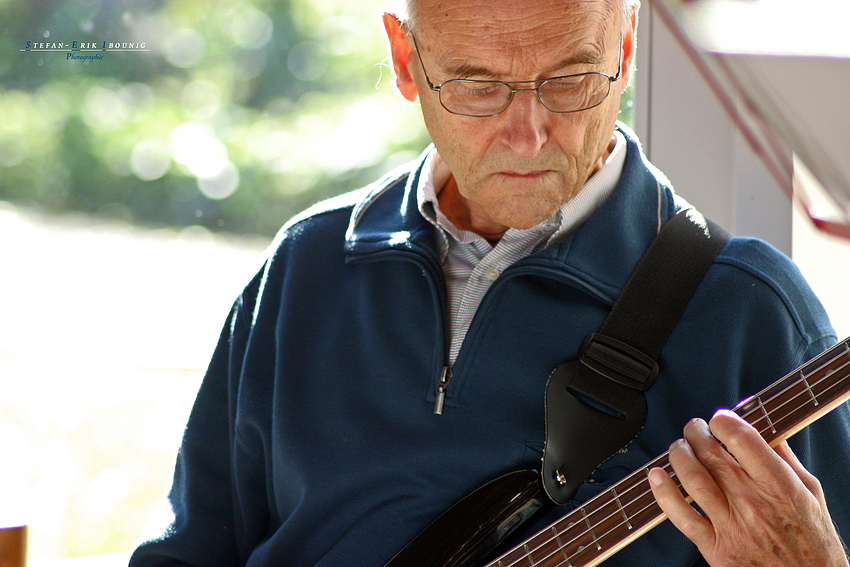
(137, 194)
(237, 115)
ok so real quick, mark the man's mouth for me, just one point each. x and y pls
(524, 175)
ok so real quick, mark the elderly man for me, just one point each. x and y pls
(393, 353)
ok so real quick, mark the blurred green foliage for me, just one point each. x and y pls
(237, 116)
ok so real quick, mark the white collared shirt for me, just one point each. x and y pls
(471, 264)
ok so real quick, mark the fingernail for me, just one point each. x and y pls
(656, 476)
(699, 424)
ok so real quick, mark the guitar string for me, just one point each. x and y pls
(578, 536)
(802, 379)
(642, 482)
(619, 525)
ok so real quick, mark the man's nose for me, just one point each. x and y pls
(526, 124)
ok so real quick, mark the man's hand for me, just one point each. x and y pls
(762, 507)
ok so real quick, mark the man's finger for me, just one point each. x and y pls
(709, 473)
(681, 514)
(751, 451)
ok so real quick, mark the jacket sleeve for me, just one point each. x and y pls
(802, 333)
(824, 446)
(210, 524)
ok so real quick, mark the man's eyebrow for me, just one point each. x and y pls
(465, 70)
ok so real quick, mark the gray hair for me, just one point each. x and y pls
(408, 11)
(628, 7)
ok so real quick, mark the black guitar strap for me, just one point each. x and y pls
(595, 405)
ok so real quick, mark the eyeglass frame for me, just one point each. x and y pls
(438, 88)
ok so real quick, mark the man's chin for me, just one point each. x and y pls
(523, 217)
(526, 207)
(517, 202)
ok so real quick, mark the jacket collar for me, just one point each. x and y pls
(387, 217)
(601, 256)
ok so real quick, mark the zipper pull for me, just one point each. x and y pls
(442, 386)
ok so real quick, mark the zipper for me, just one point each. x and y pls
(435, 275)
(442, 386)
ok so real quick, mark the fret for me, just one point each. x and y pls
(816, 385)
(620, 506)
(611, 520)
(809, 388)
(606, 520)
(592, 531)
(550, 551)
(603, 522)
(562, 547)
(812, 393)
(766, 415)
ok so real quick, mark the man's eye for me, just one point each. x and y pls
(566, 84)
(475, 89)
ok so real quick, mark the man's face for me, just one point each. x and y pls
(516, 169)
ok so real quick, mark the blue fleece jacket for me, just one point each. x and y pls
(313, 440)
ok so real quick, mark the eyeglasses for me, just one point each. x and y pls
(570, 93)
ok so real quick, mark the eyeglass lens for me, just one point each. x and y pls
(568, 94)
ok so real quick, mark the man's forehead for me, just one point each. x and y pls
(519, 14)
(543, 34)
(515, 21)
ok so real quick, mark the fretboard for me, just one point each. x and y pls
(611, 520)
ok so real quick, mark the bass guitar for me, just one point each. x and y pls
(471, 529)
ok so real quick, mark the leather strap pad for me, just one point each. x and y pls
(580, 437)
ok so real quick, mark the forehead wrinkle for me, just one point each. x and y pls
(493, 43)
(464, 69)
(586, 54)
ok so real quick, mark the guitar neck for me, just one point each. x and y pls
(610, 521)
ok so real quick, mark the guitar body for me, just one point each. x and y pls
(468, 531)
(471, 529)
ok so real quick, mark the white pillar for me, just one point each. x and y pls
(690, 137)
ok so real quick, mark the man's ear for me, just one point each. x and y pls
(400, 52)
(629, 46)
